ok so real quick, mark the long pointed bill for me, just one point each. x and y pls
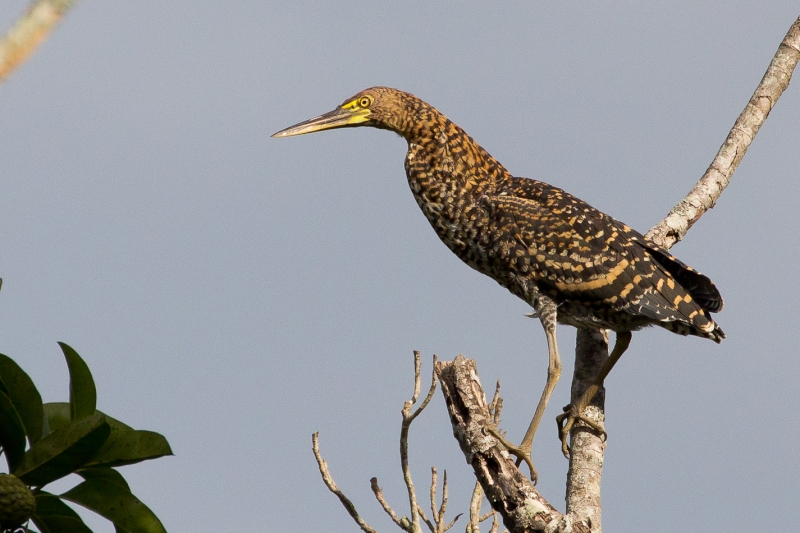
(340, 117)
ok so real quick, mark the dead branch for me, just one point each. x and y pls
(509, 491)
(328, 479)
(408, 418)
(585, 471)
(437, 522)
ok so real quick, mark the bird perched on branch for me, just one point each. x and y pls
(572, 263)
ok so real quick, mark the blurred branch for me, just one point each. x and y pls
(29, 31)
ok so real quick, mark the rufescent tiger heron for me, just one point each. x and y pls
(572, 263)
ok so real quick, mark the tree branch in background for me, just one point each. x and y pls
(29, 31)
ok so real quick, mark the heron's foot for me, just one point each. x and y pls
(566, 421)
(521, 452)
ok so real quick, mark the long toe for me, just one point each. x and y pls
(521, 452)
(566, 421)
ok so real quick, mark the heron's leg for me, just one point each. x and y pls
(574, 412)
(546, 311)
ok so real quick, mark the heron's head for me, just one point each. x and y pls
(378, 107)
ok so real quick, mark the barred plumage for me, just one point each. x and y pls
(571, 262)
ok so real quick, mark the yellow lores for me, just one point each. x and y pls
(574, 264)
(352, 113)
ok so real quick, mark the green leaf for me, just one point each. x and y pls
(26, 399)
(117, 425)
(126, 447)
(56, 415)
(48, 504)
(63, 451)
(113, 502)
(12, 433)
(101, 472)
(82, 393)
(60, 524)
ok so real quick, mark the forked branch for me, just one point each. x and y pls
(437, 523)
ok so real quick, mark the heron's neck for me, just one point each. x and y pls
(442, 156)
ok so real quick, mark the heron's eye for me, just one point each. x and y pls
(365, 101)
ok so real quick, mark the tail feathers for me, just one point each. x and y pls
(702, 289)
(674, 310)
(713, 331)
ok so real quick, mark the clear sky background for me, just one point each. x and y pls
(237, 293)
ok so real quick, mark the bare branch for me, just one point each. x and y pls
(511, 493)
(473, 526)
(587, 447)
(328, 479)
(378, 492)
(408, 418)
(29, 32)
(428, 523)
(434, 481)
(411, 525)
(708, 190)
(417, 374)
(496, 407)
(443, 507)
(432, 389)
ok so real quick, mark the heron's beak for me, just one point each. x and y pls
(341, 117)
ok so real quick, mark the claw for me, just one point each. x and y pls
(573, 414)
(522, 453)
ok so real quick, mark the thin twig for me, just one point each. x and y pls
(378, 492)
(417, 374)
(424, 518)
(496, 407)
(434, 481)
(438, 516)
(431, 391)
(473, 525)
(408, 418)
(443, 507)
(328, 479)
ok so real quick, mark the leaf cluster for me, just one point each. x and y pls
(46, 442)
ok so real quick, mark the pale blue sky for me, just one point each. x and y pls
(237, 293)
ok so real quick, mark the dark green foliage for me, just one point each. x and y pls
(74, 437)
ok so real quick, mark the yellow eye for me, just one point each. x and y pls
(365, 101)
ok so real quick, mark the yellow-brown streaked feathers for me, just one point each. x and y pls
(529, 236)
(601, 272)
